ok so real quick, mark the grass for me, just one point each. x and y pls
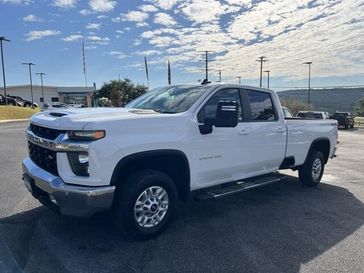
(15, 112)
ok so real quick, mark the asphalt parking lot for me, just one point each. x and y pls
(280, 228)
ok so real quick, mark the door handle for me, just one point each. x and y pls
(243, 132)
(280, 129)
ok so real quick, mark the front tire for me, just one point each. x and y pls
(144, 204)
(311, 171)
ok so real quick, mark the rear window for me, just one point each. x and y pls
(261, 106)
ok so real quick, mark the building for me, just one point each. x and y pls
(53, 94)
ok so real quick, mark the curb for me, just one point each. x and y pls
(13, 120)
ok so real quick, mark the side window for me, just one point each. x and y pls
(209, 109)
(261, 106)
(55, 99)
(287, 113)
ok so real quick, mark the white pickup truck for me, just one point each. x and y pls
(207, 140)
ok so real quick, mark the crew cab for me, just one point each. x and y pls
(205, 141)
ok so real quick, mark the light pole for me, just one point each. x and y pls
(41, 82)
(268, 72)
(30, 78)
(309, 82)
(239, 79)
(3, 66)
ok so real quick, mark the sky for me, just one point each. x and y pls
(119, 34)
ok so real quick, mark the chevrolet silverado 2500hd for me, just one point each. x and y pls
(210, 140)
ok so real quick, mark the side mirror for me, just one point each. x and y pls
(226, 116)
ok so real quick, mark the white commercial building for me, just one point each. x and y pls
(53, 94)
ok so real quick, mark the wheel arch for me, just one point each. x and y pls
(172, 162)
(321, 144)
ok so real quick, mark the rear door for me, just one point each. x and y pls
(263, 135)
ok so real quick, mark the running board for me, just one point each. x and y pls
(238, 186)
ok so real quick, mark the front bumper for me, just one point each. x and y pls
(73, 200)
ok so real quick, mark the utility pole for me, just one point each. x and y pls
(268, 72)
(206, 60)
(3, 66)
(31, 82)
(41, 82)
(309, 82)
(169, 76)
(262, 60)
(239, 79)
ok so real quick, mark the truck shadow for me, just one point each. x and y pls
(278, 228)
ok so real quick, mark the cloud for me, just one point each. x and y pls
(117, 54)
(134, 16)
(85, 12)
(165, 4)
(102, 5)
(148, 52)
(93, 26)
(148, 8)
(101, 17)
(142, 24)
(64, 4)
(18, 2)
(39, 34)
(94, 39)
(32, 18)
(164, 19)
(201, 11)
(73, 37)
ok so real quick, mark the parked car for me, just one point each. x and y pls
(344, 119)
(11, 101)
(26, 103)
(169, 144)
(312, 115)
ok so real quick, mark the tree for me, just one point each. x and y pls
(359, 108)
(120, 92)
(295, 106)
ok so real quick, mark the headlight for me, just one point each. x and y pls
(86, 135)
(79, 163)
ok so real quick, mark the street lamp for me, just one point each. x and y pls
(309, 82)
(268, 73)
(41, 82)
(30, 78)
(3, 66)
(239, 78)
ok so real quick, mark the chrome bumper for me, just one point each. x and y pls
(67, 199)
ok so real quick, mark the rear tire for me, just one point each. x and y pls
(311, 171)
(144, 204)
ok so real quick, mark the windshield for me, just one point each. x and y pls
(310, 115)
(171, 99)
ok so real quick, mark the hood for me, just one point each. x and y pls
(78, 118)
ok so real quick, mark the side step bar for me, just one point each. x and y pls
(238, 186)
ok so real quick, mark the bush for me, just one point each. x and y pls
(295, 106)
(359, 108)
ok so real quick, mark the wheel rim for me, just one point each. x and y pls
(151, 206)
(316, 168)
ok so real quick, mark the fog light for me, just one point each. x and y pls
(83, 158)
(79, 163)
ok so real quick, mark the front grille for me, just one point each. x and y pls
(44, 158)
(47, 133)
